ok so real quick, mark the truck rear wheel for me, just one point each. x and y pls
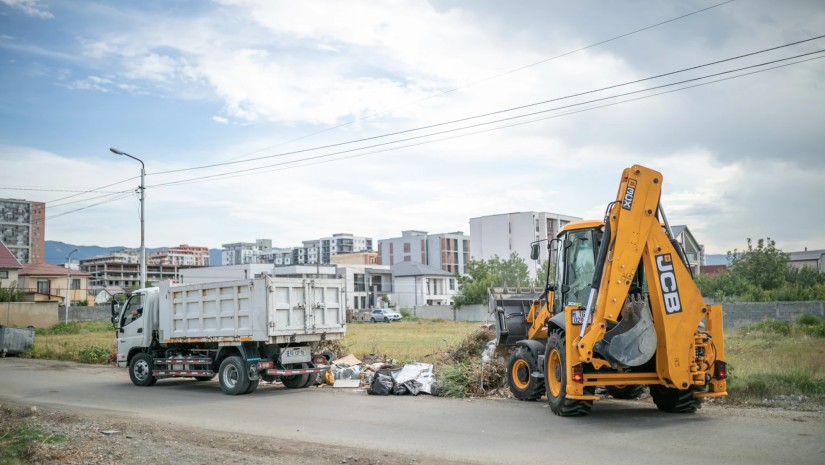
(297, 381)
(520, 368)
(555, 380)
(674, 400)
(140, 370)
(232, 376)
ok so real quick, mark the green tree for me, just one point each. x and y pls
(11, 294)
(483, 274)
(764, 266)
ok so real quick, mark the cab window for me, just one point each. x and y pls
(133, 310)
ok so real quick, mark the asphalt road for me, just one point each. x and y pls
(483, 431)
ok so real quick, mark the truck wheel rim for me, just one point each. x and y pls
(554, 373)
(230, 376)
(520, 374)
(141, 370)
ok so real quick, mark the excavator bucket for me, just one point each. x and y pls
(509, 307)
(632, 342)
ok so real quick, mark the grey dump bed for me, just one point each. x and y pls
(268, 309)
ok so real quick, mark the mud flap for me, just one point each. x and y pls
(632, 342)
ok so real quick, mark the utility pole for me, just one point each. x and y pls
(68, 283)
(142, 214)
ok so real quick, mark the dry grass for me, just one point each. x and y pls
(419, 340)
(89, 342)
(765, 365)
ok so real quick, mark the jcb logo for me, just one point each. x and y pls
(667, 280)
(627, 201)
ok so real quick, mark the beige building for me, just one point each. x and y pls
(355, 258)
(9, 267)
(45, 282)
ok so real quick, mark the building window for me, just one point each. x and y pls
(355, 302)
(406, 247)
(75, 284)
(360, 285)
(452, 284)
(43, 286)
(4, 275)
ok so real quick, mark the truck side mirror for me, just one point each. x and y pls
(115, 307)
(534, 251)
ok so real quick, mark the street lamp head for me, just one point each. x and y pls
(119, 152)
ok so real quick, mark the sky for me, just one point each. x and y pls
(296, 120)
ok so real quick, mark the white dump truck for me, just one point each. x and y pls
(243, 331)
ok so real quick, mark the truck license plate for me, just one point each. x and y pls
(577, 317)
(295, 355)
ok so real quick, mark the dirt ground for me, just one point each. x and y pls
(96, 439)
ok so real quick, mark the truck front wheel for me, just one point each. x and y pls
(140, 370)
(232, 376)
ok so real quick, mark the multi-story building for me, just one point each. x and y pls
(182, 255)
(446, 251)
(506, 233)
(342, 243)
(243, 253)
(419, 284)
(23, 229)
(123, 269)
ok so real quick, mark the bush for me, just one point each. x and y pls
(809, 320)
(813, 330)
(93, 354)
(63, 328)
(783, 328)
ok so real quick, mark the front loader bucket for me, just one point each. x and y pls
(509, 307)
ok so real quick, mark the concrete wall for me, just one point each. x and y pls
(79, 313)
(742, 314)
(445, 312)
(25, 314)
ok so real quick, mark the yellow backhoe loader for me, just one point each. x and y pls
(622, 312)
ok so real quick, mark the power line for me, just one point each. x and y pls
(510, 118)
(506, 110)
(51, 190)
(88, 206)
(488, 78)
(228, 176)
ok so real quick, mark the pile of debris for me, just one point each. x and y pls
(381, 378)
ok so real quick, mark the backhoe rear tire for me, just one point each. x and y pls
(520, 368)
(674, 400)
(633, 391)
(555, 380)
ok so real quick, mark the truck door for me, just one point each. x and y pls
(132, 328)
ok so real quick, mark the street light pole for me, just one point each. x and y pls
(68, 283)
(142, 216)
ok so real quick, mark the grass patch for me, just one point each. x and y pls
(772, 359)
(420, 340)
(18, 442)
(84, 342)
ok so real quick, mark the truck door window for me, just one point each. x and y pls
(133, 310)
(581, 264)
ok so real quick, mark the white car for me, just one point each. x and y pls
(384, 314)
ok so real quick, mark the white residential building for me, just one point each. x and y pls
(419, 284)
(446, 251)
(506, 233)
(241, 253)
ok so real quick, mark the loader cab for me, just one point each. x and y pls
(574, 262)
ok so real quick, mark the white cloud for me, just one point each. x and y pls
(30, 8)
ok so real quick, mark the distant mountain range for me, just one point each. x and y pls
(56, 252)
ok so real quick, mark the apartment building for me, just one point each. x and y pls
(182, 255)
(243, 253)
(446, 251)
(506, 233)
(23, 229)
(123, 269)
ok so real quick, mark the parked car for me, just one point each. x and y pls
(384, 314)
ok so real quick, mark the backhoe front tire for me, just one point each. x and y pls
(520, 368)
(555, 380)
(674, 400)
